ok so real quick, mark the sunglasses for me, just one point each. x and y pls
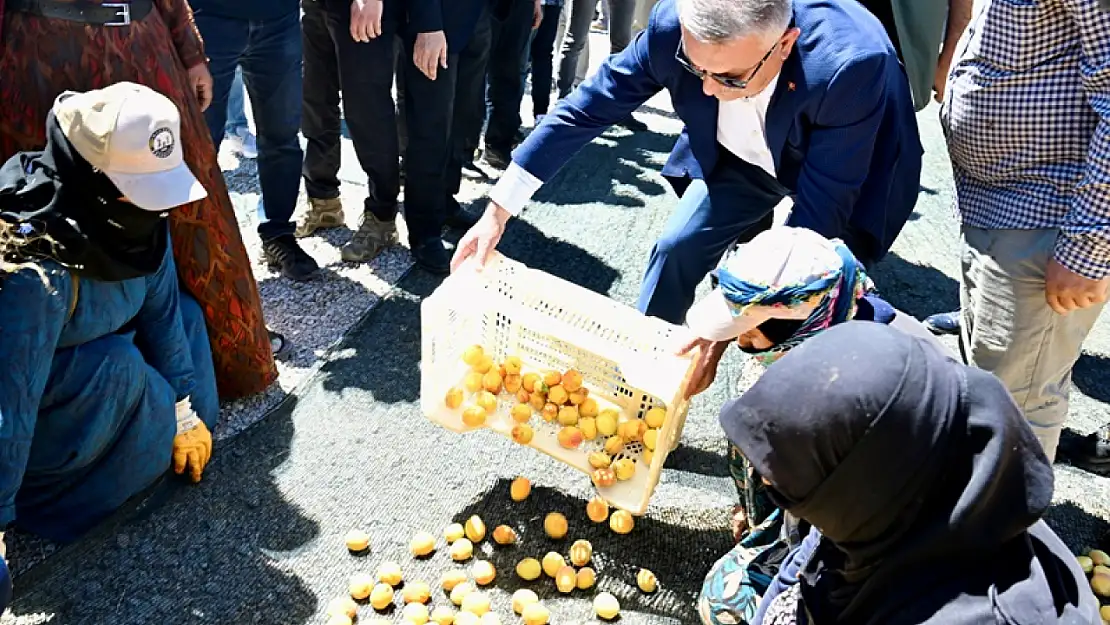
(730, 82)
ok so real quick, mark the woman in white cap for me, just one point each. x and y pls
(107, 378)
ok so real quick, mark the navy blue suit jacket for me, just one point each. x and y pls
(840, 124)
(458, 19)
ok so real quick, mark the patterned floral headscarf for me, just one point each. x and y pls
(839, 289)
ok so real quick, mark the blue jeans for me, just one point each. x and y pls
(237, 106)
(269, 53)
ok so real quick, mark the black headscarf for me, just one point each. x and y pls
(923, 478)
(88, 229)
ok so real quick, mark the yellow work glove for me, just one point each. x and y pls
(192, 447)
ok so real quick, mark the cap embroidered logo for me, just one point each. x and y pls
(161, 143)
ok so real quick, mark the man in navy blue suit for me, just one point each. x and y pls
(804, 99)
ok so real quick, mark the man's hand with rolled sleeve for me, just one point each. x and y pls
(1066, 290)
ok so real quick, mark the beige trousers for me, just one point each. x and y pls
(1009, 329)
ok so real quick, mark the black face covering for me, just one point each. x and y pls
(87, 228)
(922, 476)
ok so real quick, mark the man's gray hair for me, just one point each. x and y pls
(715, 21)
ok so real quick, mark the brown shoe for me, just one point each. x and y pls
(372, 236)
(322, 214)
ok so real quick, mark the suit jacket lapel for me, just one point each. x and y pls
(782, 109)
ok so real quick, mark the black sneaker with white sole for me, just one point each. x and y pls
(284, 254)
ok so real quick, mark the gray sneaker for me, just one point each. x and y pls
(322, 214)
(369, 240)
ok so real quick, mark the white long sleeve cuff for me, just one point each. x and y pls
(515, 188)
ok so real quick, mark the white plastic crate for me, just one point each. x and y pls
(627, 360)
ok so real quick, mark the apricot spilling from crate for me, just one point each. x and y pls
(632, 431)
(520, 488)
(589, 427)
(462, 550)
(528, 381)
(473, 355)
(459, 592)
(345, 606)
(581, 552)
(1099, 557)
(586, 578)
(513, 365)
(577, 397)
(453, 532)
(555, 525)
(550, 412)
(422, 544)
(474, 416)
(607, 422)
(476, 603)
(588, 408)
(523, 433)
(646, 580)
(535, 614)
(538, 401)
(415, 614)
(655, 417)
(475, 529)
(599, 459)
(1104, 612)
(651, 437)
(624, 469)
(1100, 584)
(483, 572)
(568, 415)
(614, 445)
(416, 592)
(552, 378)
(360, 586)
(621, 522)
(523, 397)
(484, 366)
(443, 615)
(566, 579)
(521, 413)
(504, 535)
(552, 562)
(357, 541)
(603, 477)
(452, 578)
(492, 382)
(522, 599)
(454, 398)
(647, 456)
(473, 382)
(381, 597)
(570, 437)
(557, 395)
(1085, 563)
(512, 383)
(389, 573)
(529, 569)
(606, 606)
(597, 510)
(487, 401)
(572, 381)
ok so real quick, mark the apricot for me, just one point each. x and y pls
(473, 355)
(572, 381)
(475, 529)
(588, 408)
(557, 395)
(523, 397)
(501, 371)
(345, 606)
(462, 550)
(492, 382)
(381, 597)
(581, 552)
(599, 459)
(416, 592)
(529, 569)
(1101, 585)
(586, 578)
(523, 433)
(550, 412)
(655, 417)
(607, 422)
(552, 378)
(483, 572)
(520, 488)
(484, 366)
(613, 445)
(1099, 557)
(589, 427)
(452, 578)
(474, 416)
(632, 431)
(466, 618)
(513, 365)
(360, 586)
(522, 599)
(647, 456)
(597, 510)
(504, 535)
(453, 532)
(566, 579)
(570, 437)
(389, 573)
(646, 580)
(422, 544)
(577, 398)
(552, 562)
(339, 619)
(568, 415)
(473, 382)
(1104, 612)
(490, 618)
(521, 413)
(603, 477)
(606, 606)
(476, 603)
(624, 469)
(555, 525)
(443, 615)
(458, 593)
(529, 381)
(487, 400)
(621, 522)
(1085, 563)
(535, 614)
(454, 398)
(415, 613)
(651, 437)
(357, 541)
(512, 383)
(537, 401)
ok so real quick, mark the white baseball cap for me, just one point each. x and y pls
(131, 134)
(779, 258)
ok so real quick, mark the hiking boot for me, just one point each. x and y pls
(371, 238)
(323, 213)
(285, 254)
(943, 323)
(1090, 453)
(497, 158)
(431, 255)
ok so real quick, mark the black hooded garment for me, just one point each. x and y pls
(925, 482)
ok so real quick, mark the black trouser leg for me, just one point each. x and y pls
(320, 119)
(402, 124)
(366, 78)
(469, 112)
(510, 44)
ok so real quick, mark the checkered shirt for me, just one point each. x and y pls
(1027, 118)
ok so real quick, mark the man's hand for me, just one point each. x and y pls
(366, 20)
(430, 53)
(1065, 290)
(708, 357)
(940, 78)
(537, 14)
(483, 237)
(201, 82)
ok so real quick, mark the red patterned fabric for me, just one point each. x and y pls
(44, 57)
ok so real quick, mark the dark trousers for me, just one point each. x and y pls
(511, 29)
(270, 55)
(470, 102)
(364, 73)
(542, 54)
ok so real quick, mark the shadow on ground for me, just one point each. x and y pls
(917, 290)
